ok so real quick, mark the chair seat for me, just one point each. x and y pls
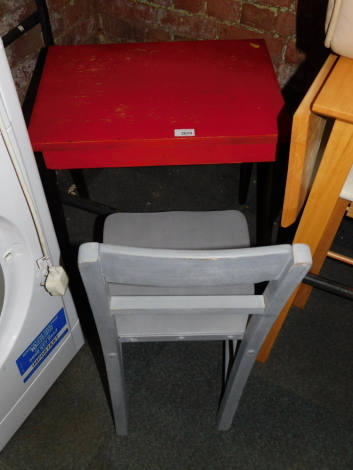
(179, 230)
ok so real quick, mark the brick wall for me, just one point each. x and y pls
(73, 21)
(293, 29)
(164, 20)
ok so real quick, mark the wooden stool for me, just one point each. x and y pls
(328, 103)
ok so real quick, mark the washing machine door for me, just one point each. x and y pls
(39, 333)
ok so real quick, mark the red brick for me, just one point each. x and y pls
(166, 3)
(142, 13)
(277, 3)
(127, 32)
(104, 39)
(56, 5)
(129, 10)
(124, 31)
(237, 32)
(194, 6)
(82, 32)
(275, 48)
(75, 12)
(28, 44)
(120, 8)
(196, 27)
(57, 24)
(86, 31)
(225, 10)
(286, 23)
(259, 18)
(104, 23)
(293, 55)
(157, 34)
(178, 37)
(6, 6)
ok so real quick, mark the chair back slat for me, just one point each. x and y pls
(186, 268)
(184, 303)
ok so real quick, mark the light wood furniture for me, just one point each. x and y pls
(321, 158)
(179, 276)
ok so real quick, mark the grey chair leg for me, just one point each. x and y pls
(241, 368)
(115, 372)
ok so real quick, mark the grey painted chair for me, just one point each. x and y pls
(177, 276)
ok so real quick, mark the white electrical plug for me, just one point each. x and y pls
(57, 281)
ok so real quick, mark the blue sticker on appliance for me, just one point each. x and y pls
(42, 345)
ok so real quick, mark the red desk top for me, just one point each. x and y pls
(128, 104)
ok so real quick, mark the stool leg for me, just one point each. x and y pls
(323, 247)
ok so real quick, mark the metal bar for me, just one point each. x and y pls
(28, 23)
(45, 23)
(329, 286)
(86, 204)
(179, 337)
(40, 16)
(339, 257)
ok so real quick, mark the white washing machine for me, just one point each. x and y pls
(39, 332)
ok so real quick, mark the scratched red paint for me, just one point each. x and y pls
(119, 104)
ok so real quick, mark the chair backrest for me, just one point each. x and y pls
(39, 16)
(283, 266)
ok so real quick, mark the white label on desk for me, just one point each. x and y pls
(184, 132)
